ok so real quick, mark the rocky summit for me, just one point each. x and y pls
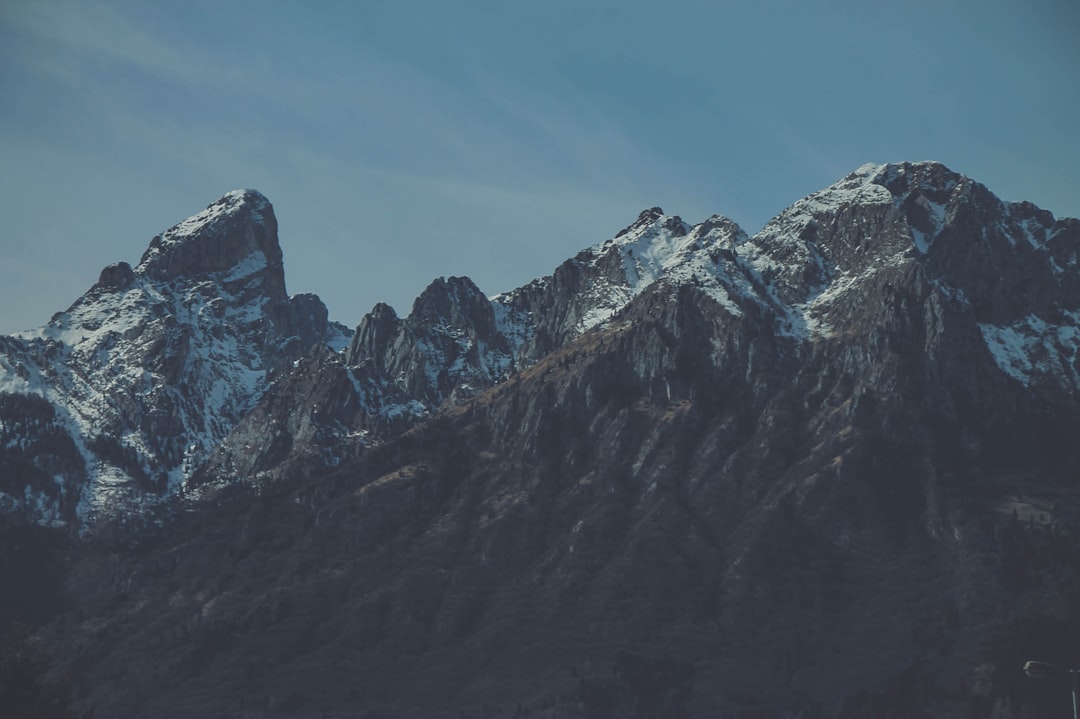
(132, 387)
(831, 469)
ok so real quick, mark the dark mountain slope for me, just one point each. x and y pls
(627, 496)
(828, 468)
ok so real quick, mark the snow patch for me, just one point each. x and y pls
(253, 263)
(1032, 349)
(665, 249)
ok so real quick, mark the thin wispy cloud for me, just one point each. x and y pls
(548, 126)
(72, 40)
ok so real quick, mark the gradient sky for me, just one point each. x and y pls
(400, 141)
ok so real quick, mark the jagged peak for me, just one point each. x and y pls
(449, 299)
(650, 214)
(645, 220)
(117, 276)
(237, 202)
(239, 228)
(719, 229)
(901, 178)
(382, 311)
(869, 184)
(872, 171)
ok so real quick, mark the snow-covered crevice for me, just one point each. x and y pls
(1033, 351)
(515, 325)
(380, 398)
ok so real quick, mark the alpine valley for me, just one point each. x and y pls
(828, 470)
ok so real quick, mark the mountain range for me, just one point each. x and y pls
(829, 469)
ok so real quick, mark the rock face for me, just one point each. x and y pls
(456, 343)
(829, 469)
(147, 373)
(907, 234)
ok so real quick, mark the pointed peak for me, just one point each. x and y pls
(246, 195)
(117, 276)
(250, 203)
(868, 169)
(901, 178)
(383, 311)
(239, 227)
(445, 296)
(861, 187)
(926, 174)
(720, 228)
(645, 218)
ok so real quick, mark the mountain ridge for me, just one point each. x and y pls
(457, 342)
(818, 471)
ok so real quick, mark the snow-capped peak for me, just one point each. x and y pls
(155, 366)
(230, 203)
(251, 202)
(647, 247)
(656, 247)
(162, 360)
(647, 220)
(232, 228)
(859, 187)
(799, 254)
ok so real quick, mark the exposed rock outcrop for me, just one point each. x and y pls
(150, 370)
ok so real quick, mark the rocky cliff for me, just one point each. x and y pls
(135, 384)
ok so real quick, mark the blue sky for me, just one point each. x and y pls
(401, 141)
